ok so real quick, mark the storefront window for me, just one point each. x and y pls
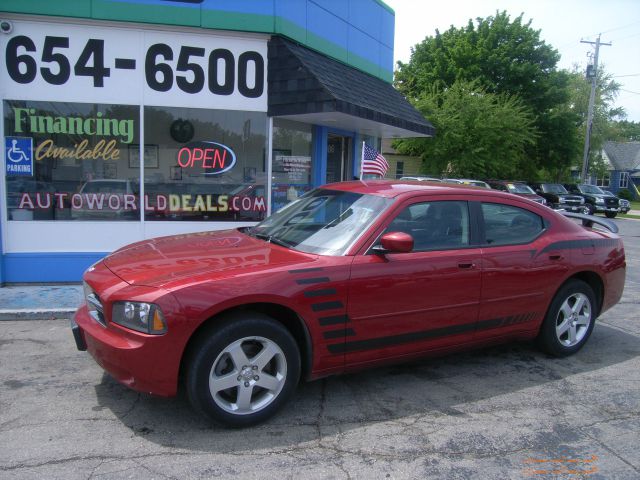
(70, 161)
(205, 164)
(291, 173)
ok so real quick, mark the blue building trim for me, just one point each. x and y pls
(2, 280)
(320, 136)
(47, 267)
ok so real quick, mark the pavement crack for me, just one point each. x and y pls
(612, 452)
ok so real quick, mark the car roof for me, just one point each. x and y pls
(394, 188)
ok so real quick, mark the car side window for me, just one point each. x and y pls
(434, 225)
(509, 225)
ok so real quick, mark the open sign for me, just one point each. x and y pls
(214, 157)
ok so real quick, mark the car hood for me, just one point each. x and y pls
(198, 256)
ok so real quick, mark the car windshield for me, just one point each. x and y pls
(590, 189)
(553, 188)
(519, 188)
(326, 222)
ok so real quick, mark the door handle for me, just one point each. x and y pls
(556, 256)
(467, 265)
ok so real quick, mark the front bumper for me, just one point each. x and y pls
(139, 361)
(604, 208)
(569, 207)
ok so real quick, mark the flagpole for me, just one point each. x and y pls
(362, 161)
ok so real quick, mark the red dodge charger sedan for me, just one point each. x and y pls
(349, 276)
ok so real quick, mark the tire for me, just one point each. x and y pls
(242, 370)
(591, 209)
(611, 214)
(561, 334)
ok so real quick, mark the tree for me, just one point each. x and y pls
(625, 131)
(480, 134)
(504, 57)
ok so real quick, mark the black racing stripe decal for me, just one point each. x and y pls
(343, 332)
(306, 270)
(322, 306)
(333, 320)
(382, 342)
(310, 281)
(573, 244)
(325, 292)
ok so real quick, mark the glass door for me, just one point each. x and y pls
(339, 166)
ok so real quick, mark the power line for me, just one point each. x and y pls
(616, 28)
(629, 75)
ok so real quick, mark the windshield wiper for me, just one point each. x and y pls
(271, 239)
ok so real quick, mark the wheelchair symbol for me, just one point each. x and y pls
(16, 154)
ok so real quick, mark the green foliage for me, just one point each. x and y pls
(624, 131)
(597, 167)
(626, 194)
(480, 134)
(502, 57)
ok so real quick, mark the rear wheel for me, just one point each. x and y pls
(569, 320)
(243, 371)
(590, 209)
(611, 214)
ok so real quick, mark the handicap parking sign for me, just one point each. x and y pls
(18, 153)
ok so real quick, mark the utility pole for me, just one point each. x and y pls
(594, 79)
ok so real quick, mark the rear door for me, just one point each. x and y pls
(517, 274)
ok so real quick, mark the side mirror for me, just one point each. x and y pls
(395, 242)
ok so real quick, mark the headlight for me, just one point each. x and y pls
(142, 317)
(599, 200)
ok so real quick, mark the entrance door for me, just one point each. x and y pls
(338, 159)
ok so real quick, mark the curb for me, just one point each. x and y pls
(39, 314)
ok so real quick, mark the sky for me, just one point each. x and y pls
(562, 24)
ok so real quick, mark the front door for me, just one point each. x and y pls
(338, 159)
(406, 303)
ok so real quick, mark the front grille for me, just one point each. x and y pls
(611, 202)
(571, 200)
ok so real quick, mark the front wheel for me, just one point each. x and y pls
(569, 320)
(611, 214)
(243, 370)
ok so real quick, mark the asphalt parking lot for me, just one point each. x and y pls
(503, 412)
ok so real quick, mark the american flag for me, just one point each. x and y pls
(373, 162)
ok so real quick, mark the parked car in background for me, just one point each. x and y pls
(335, 282)
(624, 204)
(559, 198)
(595, 199)
(420, 179)
(467, 181)
(517, 188)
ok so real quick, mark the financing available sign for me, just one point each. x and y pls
(18, 153)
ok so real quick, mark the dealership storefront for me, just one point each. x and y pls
(114, 132)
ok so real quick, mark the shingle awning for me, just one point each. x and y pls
(307, 86)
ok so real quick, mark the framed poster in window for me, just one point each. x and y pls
(151, 159)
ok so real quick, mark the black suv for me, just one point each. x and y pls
(595, 199)
(558, 198)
